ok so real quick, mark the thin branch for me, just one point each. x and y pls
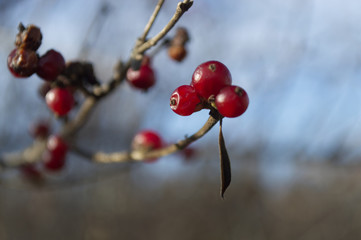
(182, 7)
(70, 128)
(120, 72)
(139, 156)
(151, 21)
(29, 155)
(74, 125)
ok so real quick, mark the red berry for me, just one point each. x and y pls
(232, 101)
(50, 65)
(22, 62)
(60, 100)
(145, 141)
(143, 78)
(57, 144)
(52, 161)
(185, 101)
(54, 157)
(40, 129)
(210, 77)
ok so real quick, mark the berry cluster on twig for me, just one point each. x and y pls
(210, 88)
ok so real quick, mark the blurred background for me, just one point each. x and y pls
(295, 153)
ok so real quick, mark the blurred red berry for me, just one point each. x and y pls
(50, 65)
(143, 78)
(146, 141)
(60, 101)
(55, 155)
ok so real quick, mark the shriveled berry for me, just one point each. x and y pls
(29, 37)
(177, 52)
(210, 77)
(181, 37)
(55, 155)
(22, 62)
(185, 101)
(143, 78)
(232, 101)
(146, 141)
(50, 65)
(60, 100)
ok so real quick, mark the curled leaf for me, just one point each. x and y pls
(225, 162)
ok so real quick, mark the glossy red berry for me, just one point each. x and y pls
(40, 129)
(22, 62)
(54, 157)
(60, 100)
(50, 65)
(185, 101)
(147, 140)
(232, 101)
(143, 78)
(210, 77)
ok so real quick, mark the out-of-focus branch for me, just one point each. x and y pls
(74, 125)
(182, 7)
(29, 155)
(126, 156)
(151, 21)
(33, 153)
(141, 46)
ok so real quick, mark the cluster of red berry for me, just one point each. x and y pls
(23, 61)
(53, 158)
(210, 88)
